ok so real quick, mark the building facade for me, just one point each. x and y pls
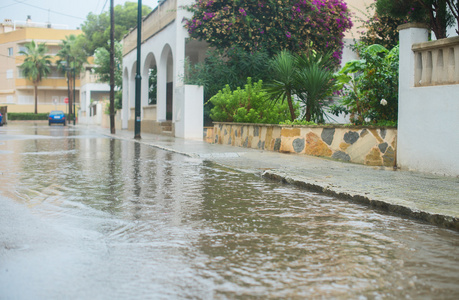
(17, 92)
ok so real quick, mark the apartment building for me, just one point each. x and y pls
(16, 91)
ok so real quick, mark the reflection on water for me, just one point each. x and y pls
(167, 226)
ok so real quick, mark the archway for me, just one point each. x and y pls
(132, 86)
(166, 84)
(149, 81)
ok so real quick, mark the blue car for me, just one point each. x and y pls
(1, 119)
(56, 117)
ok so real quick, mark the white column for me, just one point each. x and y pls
(189, 112)
(126, 108)
(162, 80)
(409, 34)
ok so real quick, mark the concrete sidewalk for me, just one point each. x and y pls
(430, 198)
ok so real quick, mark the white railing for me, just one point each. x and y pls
(21, 24)
(91, 78)
(436, 62)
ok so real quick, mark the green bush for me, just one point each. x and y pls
(248, 105)
(231, 68)
(370, 86)
(33, 117)
(27, 116)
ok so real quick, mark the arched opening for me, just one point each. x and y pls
(150, 72)
(132, 86)
(165, 80)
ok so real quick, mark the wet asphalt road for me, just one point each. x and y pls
(85, 216)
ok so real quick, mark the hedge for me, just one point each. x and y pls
(31, 116)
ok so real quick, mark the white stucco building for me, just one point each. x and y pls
(178, 109)
(94, 95)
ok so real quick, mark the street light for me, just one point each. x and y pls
(73, 99)
(138, 78)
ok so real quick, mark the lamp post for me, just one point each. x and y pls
(112, 68)
(138, 78)
(73, 99)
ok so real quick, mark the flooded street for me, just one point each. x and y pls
(84, 216)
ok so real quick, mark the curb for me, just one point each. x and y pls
(441, 220)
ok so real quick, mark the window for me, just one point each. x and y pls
(9, 74)
(19, 72)
(10, 51)
(23, 49)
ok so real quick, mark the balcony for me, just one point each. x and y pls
(20, 59)
(47, 83)
(88, 77)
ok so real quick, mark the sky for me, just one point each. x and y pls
(65, 12)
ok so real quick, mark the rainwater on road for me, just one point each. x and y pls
(84, 216)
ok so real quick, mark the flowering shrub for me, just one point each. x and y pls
(273, 25)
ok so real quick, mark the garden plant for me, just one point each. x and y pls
(371, 93)
(248, 105)
(307, 77)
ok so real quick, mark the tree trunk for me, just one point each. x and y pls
(70, 94)
(437, 20)
(36, 97)
(112, 68)
(308, 113)
(290, 106)
(454, 8)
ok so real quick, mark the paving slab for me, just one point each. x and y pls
(423, 196)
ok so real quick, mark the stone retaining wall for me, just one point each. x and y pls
(371, 146)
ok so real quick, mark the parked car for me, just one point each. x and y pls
(56, 117)
(1, 119)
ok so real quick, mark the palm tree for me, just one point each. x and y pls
(36, 65)
(70, 62)
(282, 88)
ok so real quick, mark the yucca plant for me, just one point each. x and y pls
(284, 83)
(314, 83)
(309, 77)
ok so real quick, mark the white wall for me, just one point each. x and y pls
(428, 117)
(188, 112)
(85, 96)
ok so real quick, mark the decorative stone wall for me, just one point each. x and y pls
(363, 145)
